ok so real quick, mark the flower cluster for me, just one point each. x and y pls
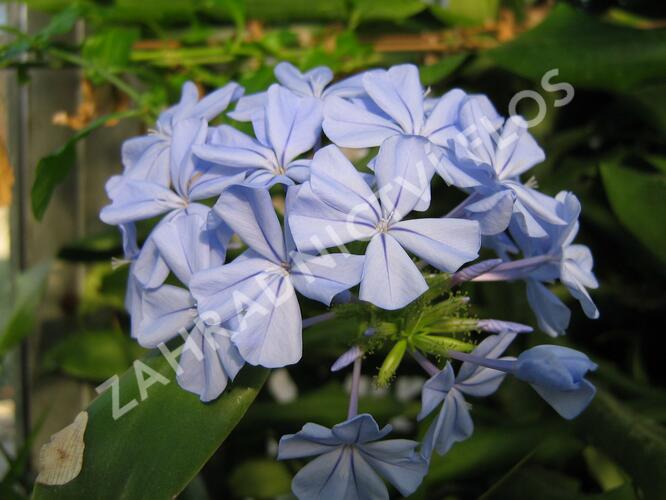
(211, 183)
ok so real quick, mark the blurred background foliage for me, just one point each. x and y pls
(606, 145)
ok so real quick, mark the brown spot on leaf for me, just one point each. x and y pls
(61, 459)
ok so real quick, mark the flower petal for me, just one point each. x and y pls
(397, 462)
(403, 170)
(316, 226)
(225, 292)
(440, 127)
(269, 333)
(362, 428)
(165, 311)
(390, 279)
(551, 313)
(435, 390)
(186, 134)
(517, 151)
(231, 148)
(146, 158)
(249, 107)
(208, 362)
(493, 212)
(341, 474)
(187, 247)
(250, 214)
(323, 277)
(311, 440)
(452, 425)
(351, 126)
(293, 124)
(338, 184)
(398, 92)
(444, 243)
(134, 200)
(216, 102)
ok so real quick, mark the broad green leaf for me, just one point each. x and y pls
(18, 307)
(154, 450)
(634, 442)
(260, 479)
(54, 168)
(639, 200)
(586, 51)
(109, 49)
(466, 12)
(92, 355)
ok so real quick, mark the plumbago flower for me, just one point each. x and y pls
(487, 159)
(291, 127)
(351, 459)
(258, 288)
(549, 259)
(208, 360)
(247, 309)
(395, 104)
(147, 159)
(313, 83)
(337, 206)
(454, 423)
(134, 199)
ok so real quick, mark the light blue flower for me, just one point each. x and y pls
(190, 180)
(337, 206)
(351, 460)
(548, 259)
(148, 158)
(570, 263)
(188, 244)
(292, 126)
(312, 83)
(395, 105)
(556, 373)
(258, 288)
(486, 159)
(454, 423)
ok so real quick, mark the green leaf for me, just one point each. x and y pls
(634, 442)
(638, 199)
(435, 73)
(17, 310)
(546, 484)
(467, 12)
(158, 447)
(109, 49)
(53, 169)
(92, 355)
(260, 479)
(394, 10)
(489, 448)
(61, 23)
(652, 99)
(586, 51)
